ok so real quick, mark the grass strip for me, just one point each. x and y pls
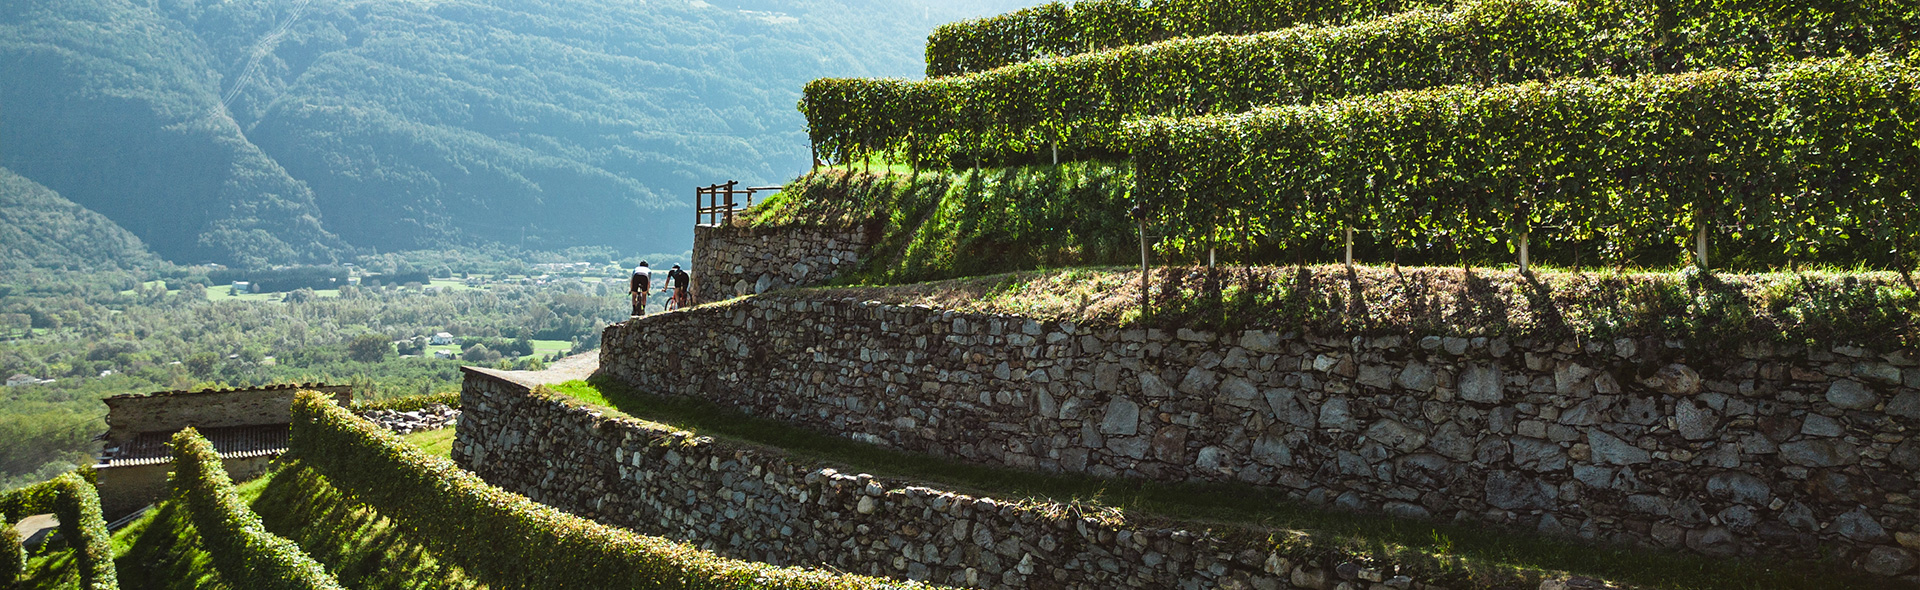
(243, 551)
(1473, 556)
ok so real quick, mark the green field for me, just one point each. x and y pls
(223, 293)
(453, 285)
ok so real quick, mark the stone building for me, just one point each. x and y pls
(248, 428)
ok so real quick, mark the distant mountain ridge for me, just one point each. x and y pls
(303, 131)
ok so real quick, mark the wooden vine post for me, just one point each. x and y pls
(1349, 246)
(1700, 245)
(1524, 266)
(1140, 218)
(1526, 231)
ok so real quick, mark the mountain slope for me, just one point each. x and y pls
(41, 230)
(272, 131)
(110, 104)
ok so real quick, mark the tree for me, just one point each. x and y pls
(369, 348)
(201, 364)
(479, 353)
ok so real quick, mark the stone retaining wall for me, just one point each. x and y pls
(738, 260)
(761, 505)
(1770, 451)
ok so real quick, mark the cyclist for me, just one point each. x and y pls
(639, 286)
(679, 279)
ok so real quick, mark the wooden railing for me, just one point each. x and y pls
(715, 205)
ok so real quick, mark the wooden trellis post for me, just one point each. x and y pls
(1349, 247)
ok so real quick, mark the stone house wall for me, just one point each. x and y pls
(126, 489)
(132, 414)
(730, 261)
(1769, 451)
(759, 504)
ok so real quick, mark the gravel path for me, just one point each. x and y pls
(573, 368)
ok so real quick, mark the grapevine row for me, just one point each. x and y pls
(1035, 110)
(1808, 156)
(1708, 33)
(1057, 29)
(1078, 103)
(245, 554)
(75, 502)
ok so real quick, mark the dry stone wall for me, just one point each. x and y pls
(762, 505)
(729, 261)
(1766, 451)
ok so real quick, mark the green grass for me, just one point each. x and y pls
(436, 442)
(452, 285)
(222, 293)
(1482, 557)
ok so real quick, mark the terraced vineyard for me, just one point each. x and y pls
(1622, 129)
(373, 511)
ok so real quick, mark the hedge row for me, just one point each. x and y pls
(1808, 156)
(245, 554)
(37, 498)
(505, 540)
(76, 502)
(1091, 25)
(411, 403)
(1078, 103)
(24, 502)
(1689, 34)
(13, 557)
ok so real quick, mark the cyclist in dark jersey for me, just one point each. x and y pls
(679, 279)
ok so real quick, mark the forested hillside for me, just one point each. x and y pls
(258, 132)
(41, 230)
